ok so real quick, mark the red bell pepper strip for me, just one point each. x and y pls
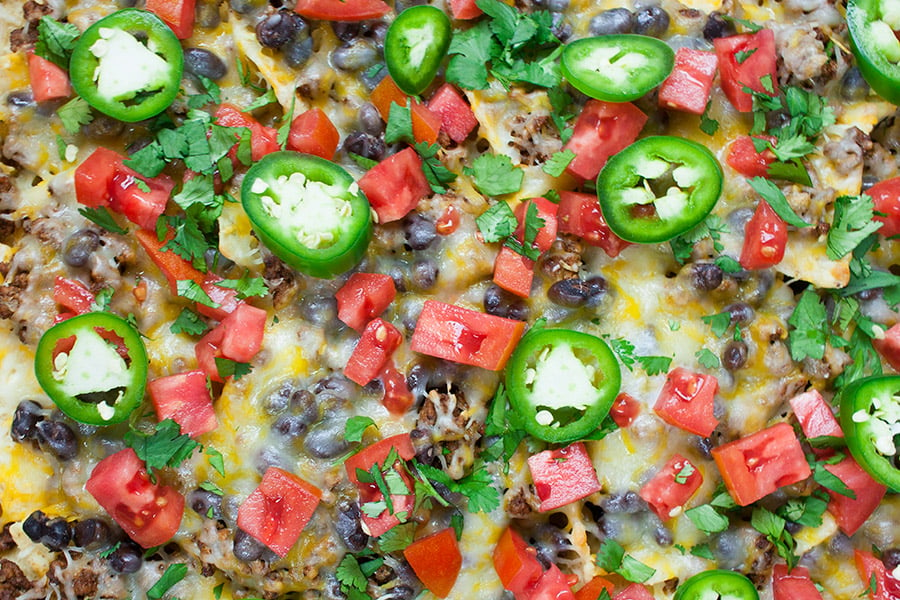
(426, 124)
(172, 266)
(344, 10)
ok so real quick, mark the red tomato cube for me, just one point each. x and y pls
(624, 410)
(93, 177)
(226, 298)
(48, 80)
(672, 487)
(177, 14)
(546, 211)
(601, 130)
(364, 297)
(184, 398)
(263, 140)
(513, 272)
(743, 157)
(244, 329)
(886, 195)
(814, 415)
(436, 561)
(395, 185)
(141, 200)
(372, 352)
(851, 513)
(765, 239)
(635, 591)
(516, 563)
(313, 132)
(457, 118)
(793, 585)
(686, 401)
(579, 214)
(747, 60)
(889, 346)
(563, 476)
(345, 10)
(464, 9)
(688, 87)
(73, 295)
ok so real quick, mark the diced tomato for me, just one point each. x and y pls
(93, 177)
(672, 487)
(869, 566)
(177, 14)
(343, 10)
(377, 453)
(547, 211)
(579, 214)
(686, 401)
(601, 130)
(263, 140)
(889, 346)
(793, 585)
(436, 561)
(426, 124)
(244, 330)
(851, 513)
(513, 272)
(465, 9)
(688, 87)
(150, 513)
(207, 350)
(747, 60)
(758, 464)
(141, 200)
(886, 195)
(448, 222)
(172, 266)
(48, 81)
(765, 238)
(516, 563)
(372, 352)
(184, 398)
(278, 510)
(395, 185)
(815, 416)
(226, 298)
(624, 410)
(553, 585)
(313, 132)
(72, 295)
(635, 591)
(457, 118)
(363, 297)
(397, 398)
(743, 157)
(465, 336)
(592, 589)
(563, 476)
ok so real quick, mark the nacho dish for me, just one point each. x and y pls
(467, 299)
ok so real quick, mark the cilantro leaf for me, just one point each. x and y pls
(399, 125)
(172, 575)
(469, 51)
(477, 486)
(773, 527)
(355, 427)
(718, 323)
(246, 286)
(364, 162)
(435, 171)
(495, 175)
(743, 55)
(851, 225)
(349, 574)
(149, 161)
(215, 460)
(497, 222)
(654, 365)
(56, 41)
(75, 113)
(102, 217)
(264, 100)
(686, 471)
(707, 519)
(232, 368)
(708, 125)
(166, 447)
(397, 538)
(703, 551)
(188, 322)
(809, 321)
(775, 197)
(187, 288)
(611, 557)
(829, 480)
(558, 163)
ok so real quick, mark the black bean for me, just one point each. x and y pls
(501, 303)
(557, 6)
(90, 532)
(35, 525)
(138, 144)
(424, 274)
(25, 420)
(777, 118)
(326, 439)
(738, 218)
(336, 386)
(277, 402)
(56, 534)
(79, 247)
(346, 31)
(370, 119)
(734, 355)
(355, 56)
(317, 309)
(204, 63)
(372, 77)
(205, 503)
(419, 231)
(365, 144)
(127, 558)
(20, 99)
(401, 5)
(289, 426)
(247, 548)
(615, 20)
(58, 438)
(704, 445)
(560, 27)
(706, 276)
(740, 312)
(869, 294)
(717, 27)
(103, 127)
(207, 14)
(571, 293)
(854, 85)
(652, 21)
(628, 503)
(269, 457)
(303, 405)
(216, 261)
(891, 558)
(277, 29)
(663, 535)
(241, 6)
(297, 51)
(348, 526)
(597, 290)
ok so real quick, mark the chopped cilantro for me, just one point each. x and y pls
(397, 538)
(852, 224)
(707, 519)
(435, 172)
(495, 175)
(558, 163)
(477, 486)
(355, 427)
(624, 350)
(102, 217)
(246, 286)
(189, 289)
(209, 486)
(718, 323)
(773, 527)
(264, 100)
(809, 334)
(743, 55)
(284, 130)
(166, 447)
(703, 551)
(56, 41)
(75, 113)
(364, 162)
(188, 322)
(611, 557)
(232, 368)
(686, 471)
(497, 222)
(775, 197)
(399, 125)
(708, 125)
(215, 460)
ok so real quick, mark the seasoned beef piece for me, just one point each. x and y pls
(448, 418)
(280, 280)
(26, 36)
(13, 582)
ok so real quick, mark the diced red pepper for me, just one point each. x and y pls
(686, 401)
(815, 416)
(426, 124)
(312, 132)
(563, 476)
(48, 80)
(743, 157)
(672, 487)
(747, 60)
(457, 118)
(851, 513)
(688, 87)
(516, 563)
(448, 222)
(263, 140)
(177, 14)
(72, 295)
(793, 585)
(601, 130)
(436, 561)
(624, 410)
(579, 214)
(363, 297)
(465, 336)
(465, 9)
(372, 352)
(93, 177)
(395, 185)
(172, 266)
(184, 398)
(513, 272)
(140, 199)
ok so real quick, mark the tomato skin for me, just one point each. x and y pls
(553, 585)
(563, 476)
(743, 157)
(375, 347)
(207, 350)
(688, 87)
(368, 492)
(736, 75)
(364, 297)
(184, 398)
(263, 140)
(516, 563)
(141, 203)
(457, 118)
(465, 9)
(72, 295)
(868, 566)
(601, 130)
(395, 185)
(889, 346)
(346, 10)
(94, 176)
(625, 410)
(686, 401)
(665, 495)
(513, 272)
(238, 337)
(794, 584)
(172, 266)
(765, 239)
(754, 466)
(312, 132)
(436, 561)
(465, 336)
(150, 513)
(177, 14)
(48, 80)
(580, 215)
(592, 589)
(851, 513)
(886, 195)
(278, 510)
(815, 416)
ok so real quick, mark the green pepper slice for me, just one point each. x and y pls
(414, 46)
(94, 367)
(128, 65)
(561, 383)
(870, 418)
(617, 68)
(308, 211)
(658, 188)
(718, 583)
(872, 25)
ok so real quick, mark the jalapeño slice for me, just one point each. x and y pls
(718, 583)
(658, 188)
(873, 27)
(414, 46)
(870, 418)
